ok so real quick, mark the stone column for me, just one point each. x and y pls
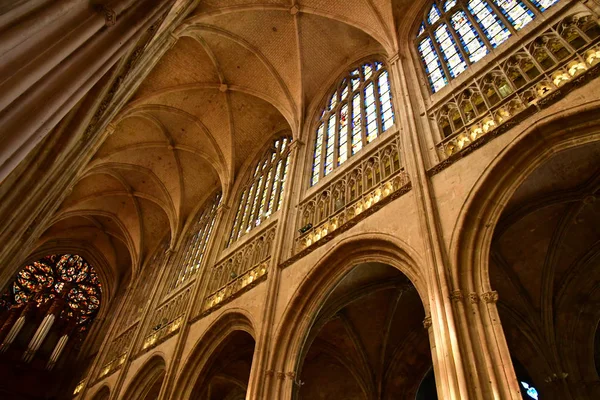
(11, 318)
(469, 352)
(52, 55)
(261, 384)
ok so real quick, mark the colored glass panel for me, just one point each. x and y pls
(516, 12)
(489, 22)
(343, 135)
(67, 276)
(452, 57)
(449, 4)
(433, 66)
(421, 29)
(283, 180)
(468, 36)
(370, 112)
(329, 145)
(356, 124)
(543, 5)
(433, 15)
(317, 156)
(385, 99)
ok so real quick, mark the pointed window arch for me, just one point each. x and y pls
(455, 34)
(196, 243)
(358, 111)
(263, 194)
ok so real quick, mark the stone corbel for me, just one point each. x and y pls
(110, 16)
(473, 298)
(456, 296)
(427, 322)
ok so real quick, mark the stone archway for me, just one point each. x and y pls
(147, 383)
(219, 366)
(297, 331)
(474, 294)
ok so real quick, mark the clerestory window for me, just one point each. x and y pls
(359, 109)
(196, 243)
(456, 34)
(263, 194)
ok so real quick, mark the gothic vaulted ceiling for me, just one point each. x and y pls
(238, 73)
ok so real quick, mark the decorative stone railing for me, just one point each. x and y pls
(118, 350)
(378, 176)
(167, 319)
(240, 271)
(563, 54)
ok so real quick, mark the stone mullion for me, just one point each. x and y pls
(238, 218)
(446, 352)
(260, 384)
(197, 296)
(457, 41)
(441, 55)
(138, 336)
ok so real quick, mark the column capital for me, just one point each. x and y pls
(456, 296)
(490, 297)
(427, 322)
(394, 58)
(473, 298)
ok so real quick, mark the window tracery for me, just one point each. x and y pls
(465, 31)
(68, 276)
(196, 243)
(263, 194)
(359, 109)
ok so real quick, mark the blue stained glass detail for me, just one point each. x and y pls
(433, 15)
(468, 36)
(433, 67)
(531, 391)
(493, 28)
(452, 56)
(421, 29)
(449, 4)
(516, 12)
(543, 5)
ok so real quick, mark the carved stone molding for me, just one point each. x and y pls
(456, 296)
(269, 372)
(490, 297)
(280, 375)
(427, 322)
(473, 298)
(291, 375)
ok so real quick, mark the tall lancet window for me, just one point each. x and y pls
(263, 193)
(196, 242)
(455, 34)
(358, 110)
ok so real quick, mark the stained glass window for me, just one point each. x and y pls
(468, 36)
(433, 66)
(543, 5)
(68, 276)
(489, 22)
(196, 243)
(445, 36)
(263, 194)
(516, 12)
(363, 112)
(452, 57)
(530, 390)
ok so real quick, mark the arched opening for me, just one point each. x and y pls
(545, 265)
(367, 340)
(102, 394)
(147, 383)
(226, 375)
